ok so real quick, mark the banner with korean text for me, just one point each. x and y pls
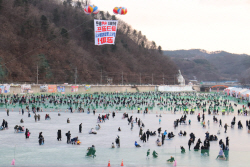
(105, 31)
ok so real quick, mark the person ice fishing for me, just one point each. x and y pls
(117, 141)
(155, 154)
(6, 125)
(112, 145)
(75, 140)
(59, 135)
(68, 121)
(148, 133)
(91, 151)
(140, 132)
(227, 141)
(22, 111)
(136, 144)
(68, 137)
(225, 126)
(220, 123)
(189, 143)
(35, 116)
(221, 154)
(159, 131)
(182, 149)
(144, 137)
(148, 153)
(27, 133)
(171, 159)
(8, 111)
(41, 138)
(80, 128)
(207, 135)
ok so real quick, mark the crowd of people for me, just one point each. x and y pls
(180, 103)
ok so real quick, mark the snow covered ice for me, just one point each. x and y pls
(58, 153)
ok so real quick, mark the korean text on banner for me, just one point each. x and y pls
(105, 31)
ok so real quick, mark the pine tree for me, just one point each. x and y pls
(56, 16)
(44, 23)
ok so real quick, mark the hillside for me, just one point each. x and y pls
(58, 38)
(211, 66)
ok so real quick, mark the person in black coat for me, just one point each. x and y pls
(162, 138)
(6, 124)
(59, 135)
(148, 133)
(159, 131)
(41, 138)
(144, 137)
(26, 133)
(220, 123)
(189, 143)
(227, 142)
(68, 137)
(3, 123)
(80, 128)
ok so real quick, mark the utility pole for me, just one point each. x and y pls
(174, 79)
(75, 75)
(163, 78)
(37, 74)
(152, 80)
(140, 78)
(101, 76)
(122, 77)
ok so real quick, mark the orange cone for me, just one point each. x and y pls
(109, 164)
(122, 163)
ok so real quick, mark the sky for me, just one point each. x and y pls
(212, 25)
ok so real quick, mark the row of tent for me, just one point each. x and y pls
(238, 92)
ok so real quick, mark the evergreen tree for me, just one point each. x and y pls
(56, 16)
(159, 49)
(44, 23)
(64, 33)
(1, 2)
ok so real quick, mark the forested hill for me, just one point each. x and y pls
(211, 66)
(58, 38)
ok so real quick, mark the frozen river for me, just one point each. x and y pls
(58, 153)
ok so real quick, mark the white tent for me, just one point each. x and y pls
(242, 91)
(244, 94)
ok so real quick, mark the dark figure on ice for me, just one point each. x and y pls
(68, 137)
(80, 128)
(59, 135)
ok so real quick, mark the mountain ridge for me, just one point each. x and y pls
(54, 40)
(218, 65)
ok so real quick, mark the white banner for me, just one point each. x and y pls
(105, 31)
(175, 88)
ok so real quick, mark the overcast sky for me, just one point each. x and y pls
(212, 25)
